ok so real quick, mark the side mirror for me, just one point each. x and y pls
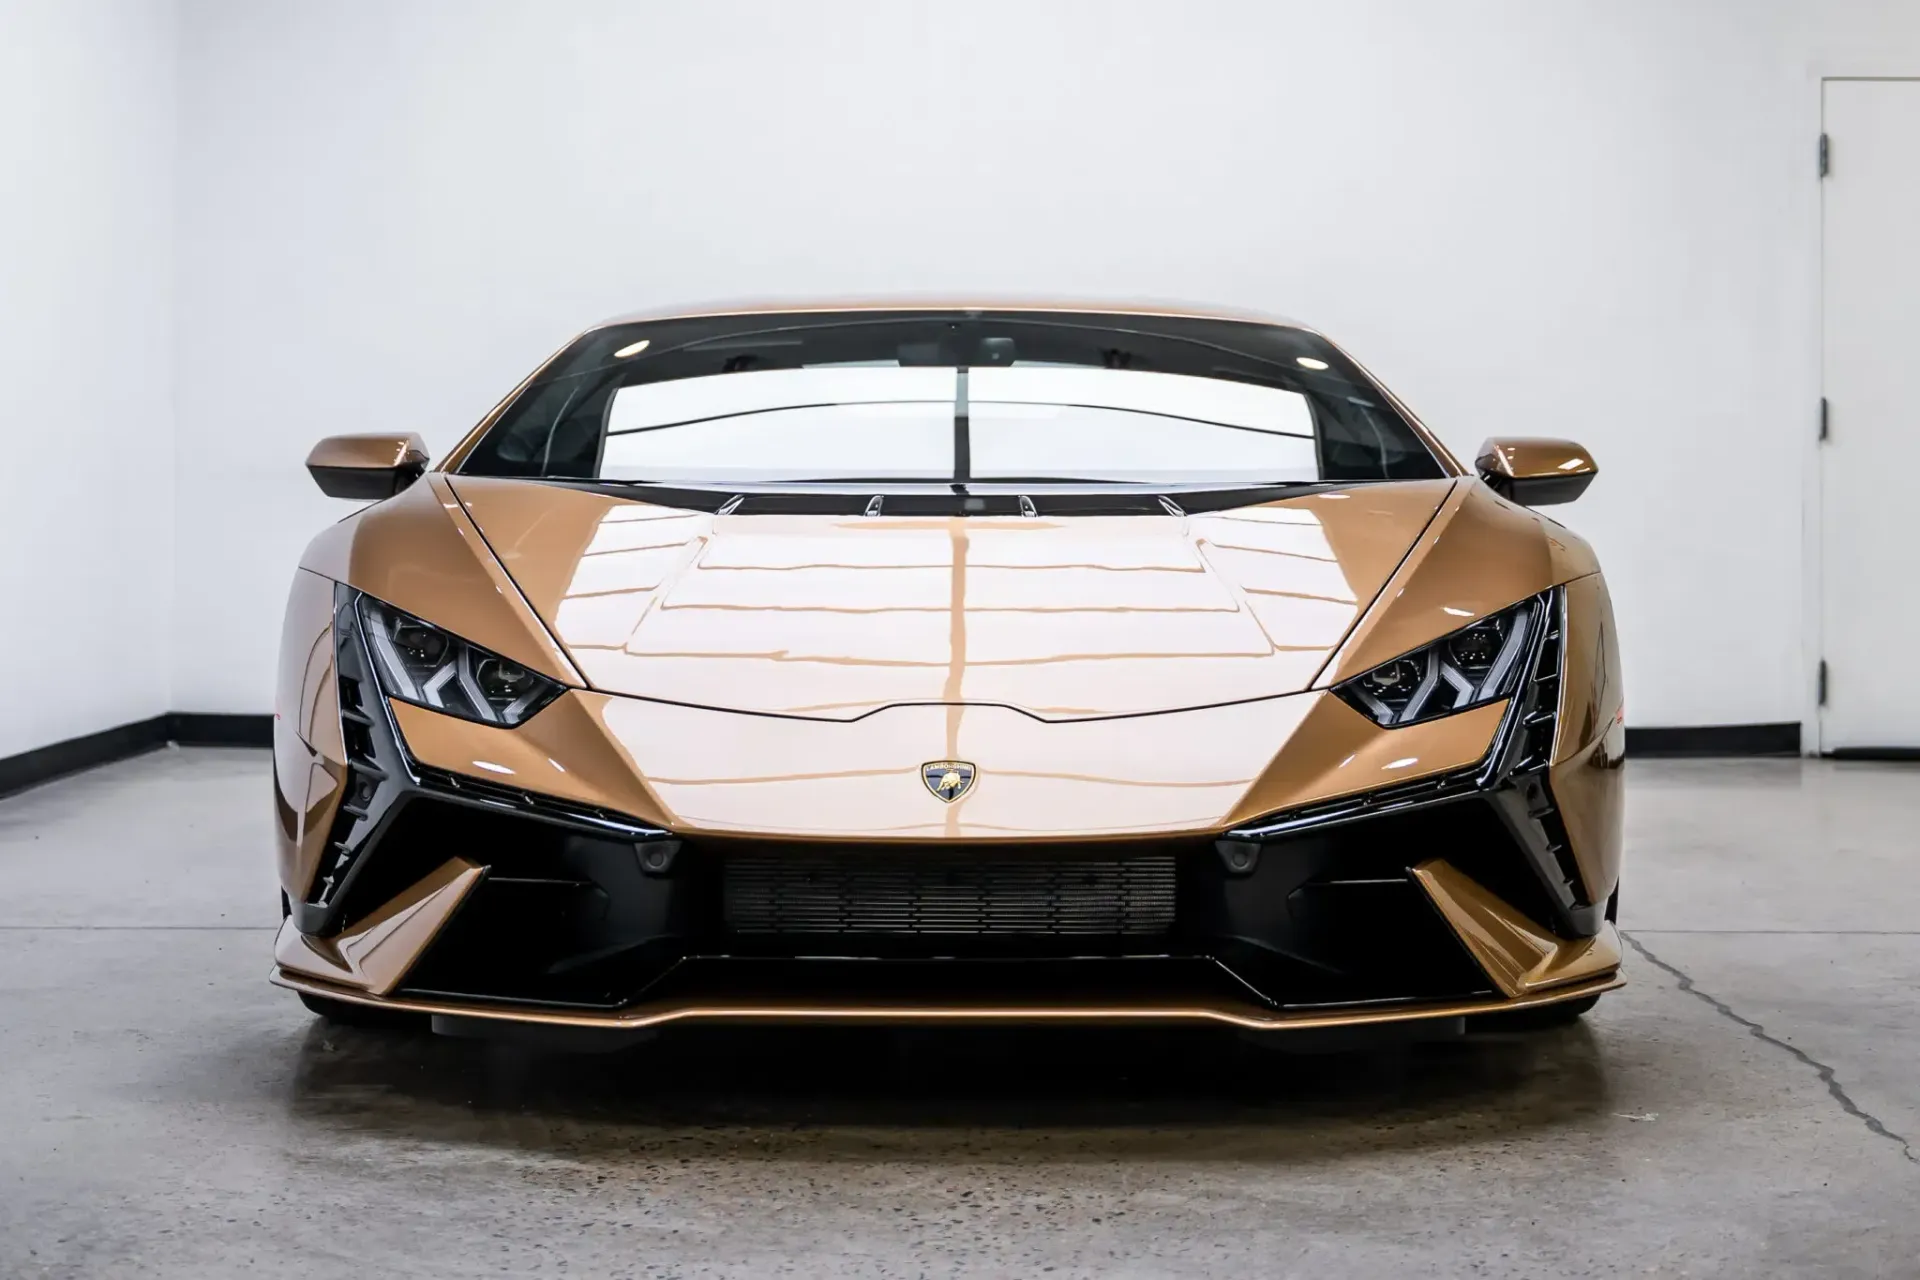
(1536, 473)
(367, 467)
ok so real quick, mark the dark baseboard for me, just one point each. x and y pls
(56, 760)
(1874, 753)
(205, 729)
(1717, 740)
(189, 729)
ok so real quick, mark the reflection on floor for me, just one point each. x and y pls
(1743, 1107)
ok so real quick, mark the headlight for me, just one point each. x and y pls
(417, 662)
(1476, 664)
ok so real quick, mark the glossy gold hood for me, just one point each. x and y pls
(835, 617)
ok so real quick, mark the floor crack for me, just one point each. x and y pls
(1758, 1032)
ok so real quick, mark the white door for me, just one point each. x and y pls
(1870, 463)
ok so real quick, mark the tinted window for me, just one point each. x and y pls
(927, 397)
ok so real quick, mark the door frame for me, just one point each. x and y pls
(1813, 473)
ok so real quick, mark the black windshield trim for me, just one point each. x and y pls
(1276, 375)
(936, 499)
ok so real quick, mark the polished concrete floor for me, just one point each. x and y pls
(1747, 1106)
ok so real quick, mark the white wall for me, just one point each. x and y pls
(1528, 216)
(86, 365)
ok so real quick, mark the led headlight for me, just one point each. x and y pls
(417, 662)
(1475, 665)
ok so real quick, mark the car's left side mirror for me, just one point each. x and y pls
(1536, 473)
(367, 467)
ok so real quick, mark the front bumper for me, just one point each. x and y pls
(488, 906)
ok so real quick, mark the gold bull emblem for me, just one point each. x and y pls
(947, 779)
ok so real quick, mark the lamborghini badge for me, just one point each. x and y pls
(947, 779)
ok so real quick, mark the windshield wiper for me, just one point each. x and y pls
(933, 482)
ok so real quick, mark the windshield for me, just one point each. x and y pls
(945, 398)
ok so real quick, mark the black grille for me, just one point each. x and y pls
(1538, 723)
(364, 776)
(930, 894)
(1540, 698)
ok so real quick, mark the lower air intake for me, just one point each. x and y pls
(1007, 897)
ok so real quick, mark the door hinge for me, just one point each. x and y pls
(1823, 417)
(1826, 156)
(1823, 682)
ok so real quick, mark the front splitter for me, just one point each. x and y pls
(1245, 1016)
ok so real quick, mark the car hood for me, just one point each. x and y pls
(836, 617)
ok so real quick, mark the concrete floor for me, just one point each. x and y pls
(1743, 1108)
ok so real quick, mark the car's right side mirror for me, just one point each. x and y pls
(1534, 472)
(367, 467)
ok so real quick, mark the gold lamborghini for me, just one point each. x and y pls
(975, 663)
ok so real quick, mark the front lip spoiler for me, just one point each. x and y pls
(1248, 1017)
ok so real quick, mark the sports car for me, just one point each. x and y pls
(989, 663)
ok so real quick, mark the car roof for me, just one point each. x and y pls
(909, 302)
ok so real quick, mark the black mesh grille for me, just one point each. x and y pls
(1534, 751)
(802, 893)
(1540, 698)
